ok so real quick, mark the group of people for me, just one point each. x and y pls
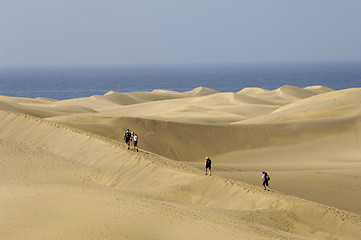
(265, 177)
(131, 137)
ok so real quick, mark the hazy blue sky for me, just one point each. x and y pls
(88, 32)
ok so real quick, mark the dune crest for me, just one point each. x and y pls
(200, 91)
(332, 104)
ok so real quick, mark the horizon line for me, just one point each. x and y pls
(180, 64)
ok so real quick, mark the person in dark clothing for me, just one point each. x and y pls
(127, 136)
(208, 164)
(265, 179)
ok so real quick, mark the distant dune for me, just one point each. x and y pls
(66, 172)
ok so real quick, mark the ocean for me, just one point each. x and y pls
(75, 82)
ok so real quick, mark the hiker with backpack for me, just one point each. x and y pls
(208, 164)
(127, 137)
(266, 178)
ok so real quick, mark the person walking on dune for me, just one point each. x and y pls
(135, 141)
(265, 178)
(208, 164)
(127, 136)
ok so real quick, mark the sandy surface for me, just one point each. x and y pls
(65, 172)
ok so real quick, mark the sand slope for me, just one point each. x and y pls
(70, 176)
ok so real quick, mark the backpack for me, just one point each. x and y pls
(209, 161)
(267, 177)
(128, 134)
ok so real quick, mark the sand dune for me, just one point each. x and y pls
(333, 104)
(66, 173)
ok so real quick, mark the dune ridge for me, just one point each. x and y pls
(65, 164)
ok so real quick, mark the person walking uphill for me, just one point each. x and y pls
(208, 166)
(265, 178)
(127, 136)
(135, 141)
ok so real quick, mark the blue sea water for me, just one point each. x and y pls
(74, 82)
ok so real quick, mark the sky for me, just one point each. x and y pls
(142, 32)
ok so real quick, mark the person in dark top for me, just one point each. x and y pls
(127, 136)
(265, 179)
(208, 164)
